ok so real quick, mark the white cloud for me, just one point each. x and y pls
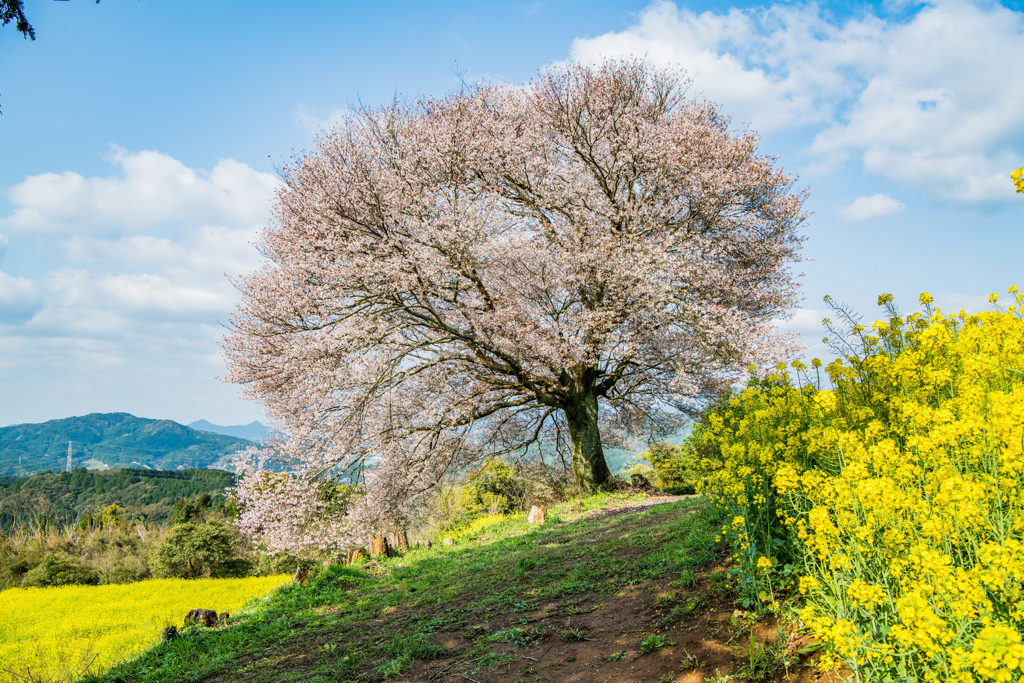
(142, 293)
(153, 189)
(315, 125)
(933, 102)
(135, 290)
(3, 246)
(875, 206)
(20, 299)
(206, 253)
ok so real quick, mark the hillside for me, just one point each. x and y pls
(612, 588)
(254, 431)
(110, 441)
(60, 498)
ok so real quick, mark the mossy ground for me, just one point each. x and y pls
(612, 588)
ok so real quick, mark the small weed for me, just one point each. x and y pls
(524, 565)
(492, 659)
(688, 606)
(653, 642)
(395, 667)
(414, 647)
(573, 607)
(620, 655)
(763, 660)
(572, 634)
(440, 622)
(350, 660)
(687, 579)
(689, 661)
(521, 636)
(719, 581)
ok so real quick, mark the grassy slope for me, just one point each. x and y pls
(572, 600)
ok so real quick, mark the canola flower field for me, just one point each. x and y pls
(892, 497)
(54, 633)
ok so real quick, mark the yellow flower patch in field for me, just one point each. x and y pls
(56, 631)
(898, 493)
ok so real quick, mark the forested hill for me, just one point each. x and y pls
(110, 441)
(61, 498)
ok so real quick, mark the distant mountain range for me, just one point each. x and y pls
(111, 440)
(254, 431)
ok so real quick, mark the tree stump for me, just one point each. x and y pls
(399, 541)
(423, 543)
(379, 546)
(355, 554)
(206, 617)
(301, 572)
(537, 514)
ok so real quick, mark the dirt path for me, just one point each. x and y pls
(670, 628)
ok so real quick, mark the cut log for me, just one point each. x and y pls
(399, 541)
(206, 617)
(537, 514)
(379, 547)
(355, 554)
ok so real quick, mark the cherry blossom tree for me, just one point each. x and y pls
(458, 278)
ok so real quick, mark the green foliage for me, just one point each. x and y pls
(192, 551)
(79, 498)
(676, 468)
(61, 570)
(652, 643)
(497, 488)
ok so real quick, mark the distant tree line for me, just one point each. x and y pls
(66, 498)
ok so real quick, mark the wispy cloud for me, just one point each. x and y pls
(932, 101)
(865, 208)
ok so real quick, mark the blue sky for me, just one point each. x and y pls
(139, 138)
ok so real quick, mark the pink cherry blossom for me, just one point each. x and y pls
(458, 278)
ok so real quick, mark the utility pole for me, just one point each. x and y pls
(69, 456)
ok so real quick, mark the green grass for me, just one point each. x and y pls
(350, 625)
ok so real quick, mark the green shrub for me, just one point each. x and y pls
(60, 570)
(197, 550)
(675, 467)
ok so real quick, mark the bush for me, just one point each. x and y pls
(198, 550)
(676, 468)
(897, 496)
(60, 570)
(494, 490)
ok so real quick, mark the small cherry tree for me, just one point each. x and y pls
(462, 277)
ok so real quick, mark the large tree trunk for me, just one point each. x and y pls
(588, 465)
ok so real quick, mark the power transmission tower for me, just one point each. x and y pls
(69, 457)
